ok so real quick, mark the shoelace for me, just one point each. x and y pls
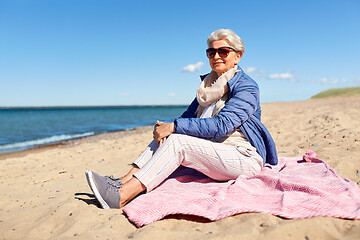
(114, 178)
(114, 187)
(115, 181)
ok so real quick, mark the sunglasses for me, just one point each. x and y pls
(223, 52)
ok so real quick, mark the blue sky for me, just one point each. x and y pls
(71, 52)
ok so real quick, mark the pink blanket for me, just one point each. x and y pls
(295, 188)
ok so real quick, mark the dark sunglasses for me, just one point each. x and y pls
(223, 52)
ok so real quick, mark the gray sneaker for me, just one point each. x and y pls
(116, 181)
(106, 193)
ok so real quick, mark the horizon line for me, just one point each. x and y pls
(88, 106)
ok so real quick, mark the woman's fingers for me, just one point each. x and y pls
(162, 130)
(158, 123)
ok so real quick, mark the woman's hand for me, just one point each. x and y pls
(162, 131)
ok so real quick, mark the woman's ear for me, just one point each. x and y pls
(238, 57)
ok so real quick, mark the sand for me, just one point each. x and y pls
(44, 193)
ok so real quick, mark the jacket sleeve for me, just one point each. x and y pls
(241, 105)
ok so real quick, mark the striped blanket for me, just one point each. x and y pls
(295, 188)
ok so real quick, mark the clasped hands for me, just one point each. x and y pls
(162, 131)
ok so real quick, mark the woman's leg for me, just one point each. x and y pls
(130, 190)
(106, 189)
(141, 160)
(216, 160)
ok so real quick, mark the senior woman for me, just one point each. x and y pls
(220, 134)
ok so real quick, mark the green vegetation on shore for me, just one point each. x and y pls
(338, 92)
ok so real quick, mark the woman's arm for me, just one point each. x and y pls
(237, 110)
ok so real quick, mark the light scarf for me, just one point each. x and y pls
(212, 93)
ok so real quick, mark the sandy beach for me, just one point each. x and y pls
(44, 193)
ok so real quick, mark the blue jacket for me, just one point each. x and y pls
(242, 110)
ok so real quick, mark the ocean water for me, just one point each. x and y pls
(21, 129)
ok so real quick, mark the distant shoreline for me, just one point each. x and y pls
(75, 141)
(333, 92)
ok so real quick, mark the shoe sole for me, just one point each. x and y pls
(89, 177)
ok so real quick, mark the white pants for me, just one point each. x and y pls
(217, 160)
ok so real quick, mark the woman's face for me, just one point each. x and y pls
(219, 64)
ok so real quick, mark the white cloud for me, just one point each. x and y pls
(254, 71)
(193, 67)
(332, 81)
(172, 94)
(287, 76)
(124, 94)
(250, 69)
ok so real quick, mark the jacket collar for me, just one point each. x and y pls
(237, 76)
(232, 81)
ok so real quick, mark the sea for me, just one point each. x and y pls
(24, 128)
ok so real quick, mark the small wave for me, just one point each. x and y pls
(42, 141)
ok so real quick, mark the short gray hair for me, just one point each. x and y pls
(229, 35)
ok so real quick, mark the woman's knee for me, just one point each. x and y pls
(179, 137)
(180, 140)
(175, 137)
